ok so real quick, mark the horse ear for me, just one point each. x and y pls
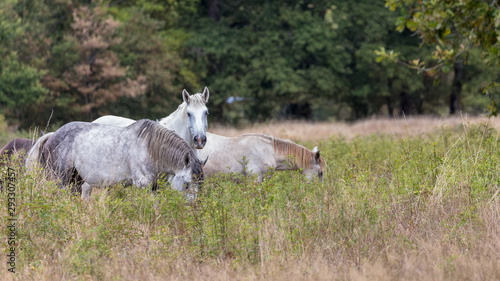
(316, 153)
(186, 160)
(206, 94)
(185, 96)
(204, 162)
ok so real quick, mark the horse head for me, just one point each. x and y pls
(317, 166)
(196, 113)
(190, 177)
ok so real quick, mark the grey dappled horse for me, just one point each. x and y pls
(104, 155)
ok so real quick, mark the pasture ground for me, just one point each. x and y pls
(402, 200)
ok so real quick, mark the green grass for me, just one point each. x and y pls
(414, 208)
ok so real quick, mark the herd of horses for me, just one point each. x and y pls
(114, 149)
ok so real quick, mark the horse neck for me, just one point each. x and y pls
(177, 121)
(287, 156)
(163, 167)
(285, 162)
(168, 164)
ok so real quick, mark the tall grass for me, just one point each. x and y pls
(391, 208)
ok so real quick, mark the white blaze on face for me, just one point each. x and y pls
(197, 119)
(196, 113)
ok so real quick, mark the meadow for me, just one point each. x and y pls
(414, 199)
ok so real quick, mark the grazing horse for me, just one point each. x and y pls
(257, 153)
(19, 146)
(103, 155)
(189, 121)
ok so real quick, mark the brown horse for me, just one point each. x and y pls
(20, 146)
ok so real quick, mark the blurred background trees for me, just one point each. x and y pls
(314, 60)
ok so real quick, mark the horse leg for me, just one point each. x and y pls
(75, 181)
(156, 184)
(267, 176)
(252, 169)
(141, 181)
(260, 178)
(86, 191)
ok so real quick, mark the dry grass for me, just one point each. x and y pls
(308, 131)
(424, 205)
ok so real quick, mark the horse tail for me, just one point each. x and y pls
(34, 155)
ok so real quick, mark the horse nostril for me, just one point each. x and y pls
(199, 141)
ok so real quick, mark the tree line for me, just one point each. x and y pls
(77, 60)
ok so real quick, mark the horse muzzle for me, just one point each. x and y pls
(200, 141)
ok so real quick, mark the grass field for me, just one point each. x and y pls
(414, 199)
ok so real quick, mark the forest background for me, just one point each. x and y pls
(69, 60)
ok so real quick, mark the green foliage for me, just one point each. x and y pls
(10, 26)
(376, 88)
(152, 53)
(19, 86)
(306, 59)
(271, 54)
(453, 29)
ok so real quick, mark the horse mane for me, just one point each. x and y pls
(164, 146)
(197, 99)
(303, 156)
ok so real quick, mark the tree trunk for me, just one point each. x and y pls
(456, 88)
(405, 103)
(296, 111)
(420, 106)
(390, 109)
(213, 10)
(388, 100)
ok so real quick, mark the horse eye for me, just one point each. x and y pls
(206, 112)
(189, 114)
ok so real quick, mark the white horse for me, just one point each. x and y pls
(189, 121)
(104, 155)
(252, 154)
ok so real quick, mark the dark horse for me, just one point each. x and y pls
(20, 146)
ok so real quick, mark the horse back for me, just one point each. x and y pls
(19, 145)
(238, 154)
(94, 145)
(58, 147)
